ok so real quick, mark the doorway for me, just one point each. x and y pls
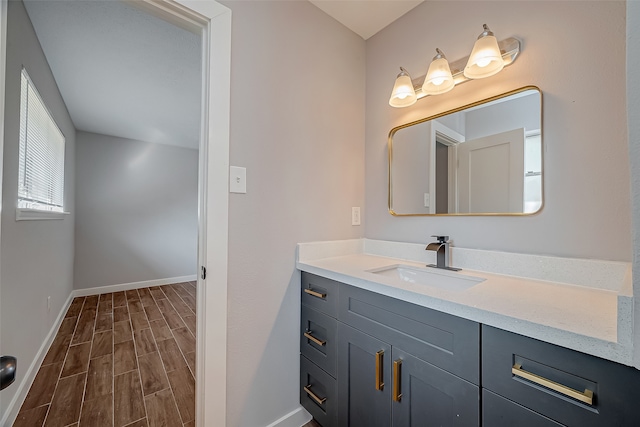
(212, 21)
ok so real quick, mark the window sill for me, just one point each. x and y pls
(23, 214)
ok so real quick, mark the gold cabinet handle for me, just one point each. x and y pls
(312, 395)
(308, 336)
(314, 293)
(397, 365)
(379, 371)
(586, 396)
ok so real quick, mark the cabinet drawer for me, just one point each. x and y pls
(318, 339)
(320, 293)
(448, 342)
(550, 380)
(498, 411)
(318, 393)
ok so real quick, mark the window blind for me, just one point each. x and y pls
(41, 169)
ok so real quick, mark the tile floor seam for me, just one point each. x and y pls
(113, 363)
(163, 370)
(86, 380)
(182, 299)
(133, 336)
(64, 361)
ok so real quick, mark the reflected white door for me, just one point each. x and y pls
(491, 173)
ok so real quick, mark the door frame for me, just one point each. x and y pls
(212, 21)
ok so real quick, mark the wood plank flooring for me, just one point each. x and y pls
(119, 359)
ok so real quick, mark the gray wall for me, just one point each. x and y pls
(297, 125)
(633, 112)
(587, 209)
(137, 211)
(37, 256)
(523, 112)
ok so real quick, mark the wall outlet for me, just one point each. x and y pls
(427, 200)
(355, 216)
(48, 303)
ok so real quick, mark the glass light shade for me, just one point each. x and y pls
(485, 59)
(403, 94)
(438, 79)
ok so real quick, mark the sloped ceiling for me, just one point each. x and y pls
(121, 71)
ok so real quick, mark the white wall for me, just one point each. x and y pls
(136, 211)
(633, 112)
(587, 210)
(297, 125)
(37, 256)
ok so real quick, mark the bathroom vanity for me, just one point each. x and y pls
(380, 350)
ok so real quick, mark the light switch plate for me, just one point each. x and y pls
(237, 179)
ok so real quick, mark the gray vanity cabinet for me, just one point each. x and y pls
(398, 364)
(368, 360)
(398, 357)
(381, 386)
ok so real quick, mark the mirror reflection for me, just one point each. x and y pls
(481, 159)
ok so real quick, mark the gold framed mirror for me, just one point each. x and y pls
(484, 158)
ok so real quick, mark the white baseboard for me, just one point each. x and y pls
(30, 374)
(133, 285)
(295, 418)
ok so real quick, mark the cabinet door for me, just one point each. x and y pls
(364, 379)
(425, 395)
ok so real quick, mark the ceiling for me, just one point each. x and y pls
(121, 71)
(125, 73)
(366, 17)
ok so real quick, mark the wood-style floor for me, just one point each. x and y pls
(120, 359)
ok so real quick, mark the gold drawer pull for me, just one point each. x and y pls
(379, 372)
(397, 365)
(313, 395)
(314, 293)
(308, 336)
(586, 396)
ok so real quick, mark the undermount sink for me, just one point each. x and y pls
(429, 277)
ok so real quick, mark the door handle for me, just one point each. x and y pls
(585, 396)
(379, 370)
(7, 371)
(397, 372)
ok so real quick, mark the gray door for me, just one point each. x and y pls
(364, 379)
(431, 396)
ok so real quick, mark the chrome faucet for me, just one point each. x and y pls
(441, 247)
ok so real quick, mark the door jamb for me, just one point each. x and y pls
(212, 21)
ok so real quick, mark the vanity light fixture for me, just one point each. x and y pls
(403, 94)
(487, 58)
(438, 79)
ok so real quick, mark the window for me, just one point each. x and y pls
(41, 169)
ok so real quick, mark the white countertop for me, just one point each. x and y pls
(593, 317)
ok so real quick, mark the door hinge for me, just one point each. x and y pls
(203, 272)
